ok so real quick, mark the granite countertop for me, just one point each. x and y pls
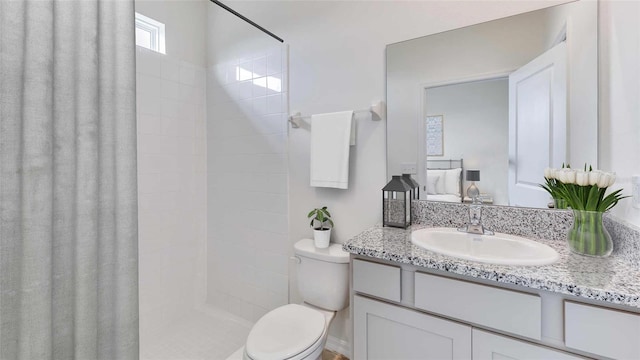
(615, 279)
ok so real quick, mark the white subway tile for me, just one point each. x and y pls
(219, 94)
(259, 67)
(200, 126)
(151, 285)
(170, 69)
(266, 221)
(259, 87)
(233, 75)
(274, 62)
(200, 145)
(258, 312)
(148, 62)
(260, 106)
(149, 124)
(190, 94)
(170, 90)
(274, 104)
(233, 90)
(172, 108)
(187, 73)
(149, 101)
(245, 89)
(274, 84)
(274, 123)
(244, 71)
(218, 73)
(150, 144)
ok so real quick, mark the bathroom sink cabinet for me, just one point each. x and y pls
(402, 311)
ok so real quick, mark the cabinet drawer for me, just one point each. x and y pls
(391, 332)
(491, 346)
(378, 280)
(601, 331)
(505, 310)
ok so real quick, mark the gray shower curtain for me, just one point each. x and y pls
(68, 198)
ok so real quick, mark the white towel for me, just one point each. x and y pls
(331, 135)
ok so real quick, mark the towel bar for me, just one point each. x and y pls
(377, 110)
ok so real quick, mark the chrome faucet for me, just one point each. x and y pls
(475, 221)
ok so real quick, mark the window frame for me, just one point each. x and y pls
(156, 31)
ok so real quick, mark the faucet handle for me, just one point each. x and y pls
(475, 214)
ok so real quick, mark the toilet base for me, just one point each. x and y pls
(239, 355)
(316, 354)
(308, 354)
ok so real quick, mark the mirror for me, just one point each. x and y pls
(498, 101)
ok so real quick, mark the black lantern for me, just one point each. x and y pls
(396, 203)
(415, 187)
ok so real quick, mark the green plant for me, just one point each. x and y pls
(322, 217)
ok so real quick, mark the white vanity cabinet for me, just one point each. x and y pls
(407, 312)
(385, 331)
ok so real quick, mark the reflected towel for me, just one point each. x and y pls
(331, 135)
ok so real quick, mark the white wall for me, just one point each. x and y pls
(248, 243)
(620, 97)
(171, 171)
(476, 129)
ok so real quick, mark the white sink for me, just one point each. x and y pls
(501, 249)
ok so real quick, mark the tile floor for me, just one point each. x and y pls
(201, 335)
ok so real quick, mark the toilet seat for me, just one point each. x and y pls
(285, 332)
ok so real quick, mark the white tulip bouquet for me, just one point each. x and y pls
(582, 190)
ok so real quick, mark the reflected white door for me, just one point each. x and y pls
(537, 125)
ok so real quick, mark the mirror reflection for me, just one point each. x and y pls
(480, 111)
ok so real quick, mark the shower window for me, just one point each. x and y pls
(150, 33)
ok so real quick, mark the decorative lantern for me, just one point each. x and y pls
(415, 187)
(396, 203)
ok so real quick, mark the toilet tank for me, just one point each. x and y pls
(323, 275)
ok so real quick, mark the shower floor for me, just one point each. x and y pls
(206, 334)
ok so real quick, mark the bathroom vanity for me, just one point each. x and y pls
(410, 303)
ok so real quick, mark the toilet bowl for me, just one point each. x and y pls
(292, 332)
(297, 332)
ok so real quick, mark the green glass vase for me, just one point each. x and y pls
(588, 235)
(560, 204)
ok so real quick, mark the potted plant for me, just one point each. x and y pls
(584, 192)
(321, 224)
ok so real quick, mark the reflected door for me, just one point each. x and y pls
(537, 125)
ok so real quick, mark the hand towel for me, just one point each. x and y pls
(331, 135)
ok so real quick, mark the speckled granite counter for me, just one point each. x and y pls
(615, 279)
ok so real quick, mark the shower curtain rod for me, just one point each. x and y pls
(217, 2)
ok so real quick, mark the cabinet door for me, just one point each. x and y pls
(389, 332)
(491, 346)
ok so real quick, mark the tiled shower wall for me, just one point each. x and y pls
(172, 188)
(247, 195)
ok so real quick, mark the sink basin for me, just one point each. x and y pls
(501, 249)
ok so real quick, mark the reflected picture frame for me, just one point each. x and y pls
(434, 128)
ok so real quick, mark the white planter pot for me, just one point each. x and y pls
(321, 238)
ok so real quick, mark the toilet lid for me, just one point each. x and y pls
(285, 332)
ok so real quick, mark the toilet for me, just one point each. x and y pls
(296, 332)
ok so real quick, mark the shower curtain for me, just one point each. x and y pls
(68, 197)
